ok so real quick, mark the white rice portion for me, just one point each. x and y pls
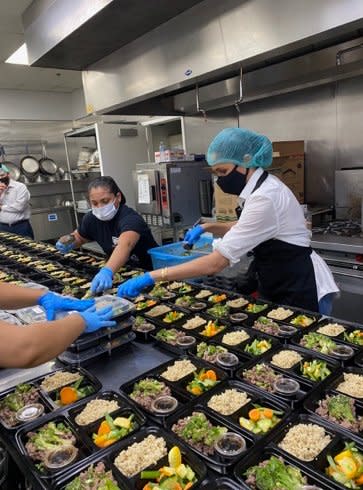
(352, 385)
(280, 313)
(331, 329)
(235, 338)
(194, 322)
(96, 409)
(237, 303)
(140, 455)
(228, 402)
(59, 379)
(285, 359)
(179, 370)
(305, 441)
(203, 293)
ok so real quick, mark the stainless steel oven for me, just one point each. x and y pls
(173, 193)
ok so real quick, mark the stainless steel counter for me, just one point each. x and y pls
(336, 243)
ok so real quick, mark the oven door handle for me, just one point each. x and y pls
(345, 274)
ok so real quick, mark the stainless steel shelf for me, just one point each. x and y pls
(82, 211)
(92, 171)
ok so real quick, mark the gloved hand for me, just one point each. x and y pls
(102, 280)
(133, 287)
(97, 319)
(64, 248)
(52, 303)
(193, 235)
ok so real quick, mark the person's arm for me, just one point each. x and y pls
(126, 243)
(19, 203)
(37, 343)
(13, 297)
(218, 229)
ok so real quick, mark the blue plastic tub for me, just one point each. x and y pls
(175, 253)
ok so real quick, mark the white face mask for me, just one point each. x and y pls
(105, 213)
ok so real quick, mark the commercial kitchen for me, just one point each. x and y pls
(145, 342)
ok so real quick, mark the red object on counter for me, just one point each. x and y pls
(359, 258)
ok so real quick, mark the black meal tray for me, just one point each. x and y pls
(293, 401)
(255, 398)
(222, 483)
(296, 341)
(229, 370)
(335, 380)
(106, 348)
(307, 355)
(240, 348)
(159, 319)
(349, 326)
(174, 349)
(318, 465)
(49, 475)
(197, 332)
(256, 457)
(215, 461)
(144, 336)
(188, 457)
(48, 398)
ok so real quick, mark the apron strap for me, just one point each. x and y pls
(260, 181)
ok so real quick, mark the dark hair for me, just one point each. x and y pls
(108, 183)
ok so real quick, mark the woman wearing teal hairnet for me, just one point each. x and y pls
(271, 224)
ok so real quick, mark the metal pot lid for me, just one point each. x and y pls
(29, 165)
(48, 166)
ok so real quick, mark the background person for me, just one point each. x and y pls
(14, 205)
(28, 347)
(271, 224)
(119, 230)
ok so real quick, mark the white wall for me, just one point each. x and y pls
(78, 104)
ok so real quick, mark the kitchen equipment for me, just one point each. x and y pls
(47, 165)
(168, 194)
(84, 157)
(348, 193)
(13, 169)
(61, 172)
(29, 166)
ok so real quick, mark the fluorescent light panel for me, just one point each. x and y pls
(20, 56)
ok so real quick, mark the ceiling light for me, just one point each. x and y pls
(20, 56)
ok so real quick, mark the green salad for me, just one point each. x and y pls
(258, 347)
(355, 337)
(317, 341)
(218, 311)
(95, 477)
(315, 370)
(255, 307)
(274, 474)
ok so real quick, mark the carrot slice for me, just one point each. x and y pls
(254, 414)
(210, 374)
(188, 485)
(268, 413)
(104, 428)
(68, 395)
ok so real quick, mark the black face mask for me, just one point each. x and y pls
(5, 180)
(232, 183)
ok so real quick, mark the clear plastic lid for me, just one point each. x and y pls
(164, 405)
(186, 341)
(60, 457)
(238, 317)
(145, 327)
(120, 306)
(309, 487)
(168, 295)
(342, 352)
(230, 445)
(33, 314)
(286, 386)
(199, 305)
(30, 412)
(227, 359)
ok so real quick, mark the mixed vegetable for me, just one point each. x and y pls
(175, 476)
(218, 311)
(356, 337)
(199, 432)
(142, 305)
(260, 420)
(317, 341)
(258, 347)
(95, 477)
(24, 394)
(173, 316)
(315, 370)
(112, 430)
(158, 291)
(211, 329)
(203, 381)
(255, 307)
(274, 474)
(346, 467)
(217, 298)
(340, 409)
(303, 321)
(72, 393)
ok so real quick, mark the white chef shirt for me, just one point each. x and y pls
(272, 212)
(14, 203)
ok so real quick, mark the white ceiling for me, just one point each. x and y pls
(21, 77)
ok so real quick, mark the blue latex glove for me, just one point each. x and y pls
(102, 280)
(133, 287)
(64, 248)
(97, 319)
(52, 303)
(193, 235)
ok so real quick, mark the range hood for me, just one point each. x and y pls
(72, 34)
(209, 42)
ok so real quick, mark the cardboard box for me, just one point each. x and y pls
(225, 205)
(170, 156)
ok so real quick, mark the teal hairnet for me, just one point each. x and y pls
(241, 147)
(4, 168)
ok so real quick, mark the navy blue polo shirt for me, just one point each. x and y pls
(106, 234)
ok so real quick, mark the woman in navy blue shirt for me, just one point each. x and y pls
(119, 230)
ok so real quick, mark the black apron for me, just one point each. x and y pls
(284, 272)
